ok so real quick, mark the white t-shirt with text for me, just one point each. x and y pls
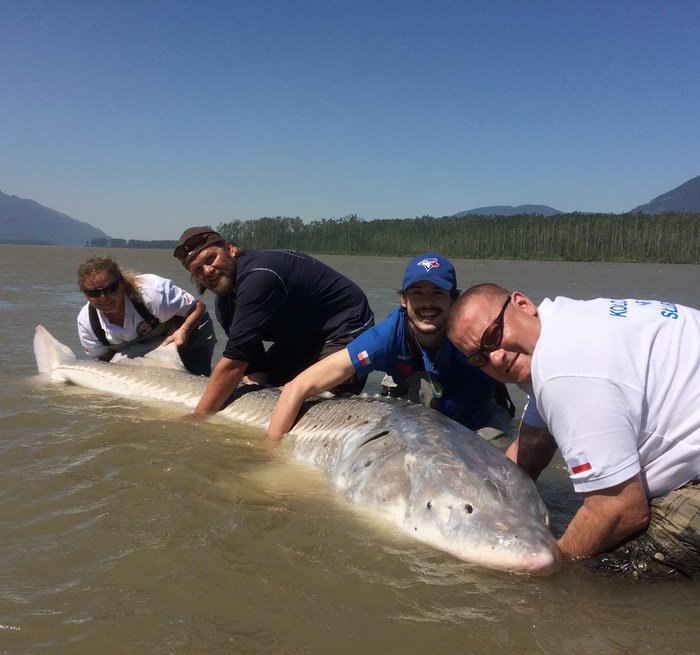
(618, 385)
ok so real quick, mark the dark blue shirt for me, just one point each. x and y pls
(287, 296)
(463, 390)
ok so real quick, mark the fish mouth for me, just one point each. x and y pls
(541, 559)
(545, 562)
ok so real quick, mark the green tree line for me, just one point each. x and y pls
(673, 238)
(102, 242)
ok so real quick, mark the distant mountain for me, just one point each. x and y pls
(507, 210)
(685, 197)
(26, 221)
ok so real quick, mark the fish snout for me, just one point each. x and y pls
(545, 561)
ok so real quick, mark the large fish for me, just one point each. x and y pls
(426, 474)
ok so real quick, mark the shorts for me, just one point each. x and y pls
(282, 362)
(196, 354)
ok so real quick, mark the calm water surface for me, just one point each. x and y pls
(125, 530)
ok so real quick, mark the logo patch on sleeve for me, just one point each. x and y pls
(580, 465)
(143, 328)
(363, 358)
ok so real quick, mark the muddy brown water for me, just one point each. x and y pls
(125, 530)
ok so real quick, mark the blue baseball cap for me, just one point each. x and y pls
(432, 268)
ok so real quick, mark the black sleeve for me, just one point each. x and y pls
(258, 297)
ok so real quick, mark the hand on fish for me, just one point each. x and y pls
(271, 442)
(179, 338)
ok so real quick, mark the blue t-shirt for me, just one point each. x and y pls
(463, 390)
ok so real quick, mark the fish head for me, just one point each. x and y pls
(486, 526)
(446, 486)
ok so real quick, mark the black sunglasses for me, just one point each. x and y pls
(106, 290)
(490, 339)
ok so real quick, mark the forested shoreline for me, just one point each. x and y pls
(669, 238)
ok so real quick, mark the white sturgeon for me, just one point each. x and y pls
(429, 476)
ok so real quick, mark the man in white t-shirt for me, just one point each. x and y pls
(617, 384)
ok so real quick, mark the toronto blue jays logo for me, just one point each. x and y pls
(428, 263)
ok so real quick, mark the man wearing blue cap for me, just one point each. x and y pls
(410, 345)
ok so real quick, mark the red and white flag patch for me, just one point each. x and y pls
(579, 465)
(363, 358)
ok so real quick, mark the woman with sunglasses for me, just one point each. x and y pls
(124, 309)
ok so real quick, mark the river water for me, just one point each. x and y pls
(125, 530)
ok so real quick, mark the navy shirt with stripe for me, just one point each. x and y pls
(287, 296)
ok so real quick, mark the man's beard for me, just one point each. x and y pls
(428, 328)
(224, 284)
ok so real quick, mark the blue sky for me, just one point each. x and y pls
(143, 118)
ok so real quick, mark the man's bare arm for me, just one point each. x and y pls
(533, 449)
(222, 383)
(606, 519)
(323, 375)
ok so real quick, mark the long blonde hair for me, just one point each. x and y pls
(93, 265)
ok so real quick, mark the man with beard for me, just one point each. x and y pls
(303, 306)
(411, 345)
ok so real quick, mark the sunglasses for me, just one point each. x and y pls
(106, 290)
(490, 339)
(195, 242)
